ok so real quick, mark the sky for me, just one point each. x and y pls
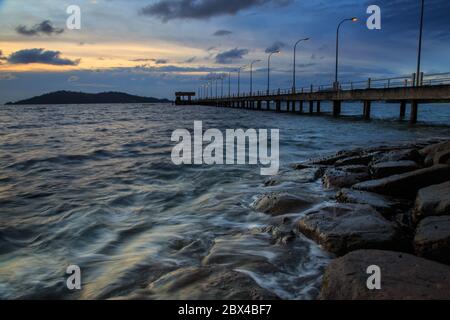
(156, 47)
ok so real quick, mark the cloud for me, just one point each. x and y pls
(231, 55)
(277, 45)
(221, 33)
(45, 27)
(141, 60)
(190, 60)
(7, 76)
(203, 9)
(73, 79)
(161, 61)
(2, 57)
(40, 56)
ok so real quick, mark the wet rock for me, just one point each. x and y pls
(342, 178)
(382, 204)
(282, 203)
(347, 227)
(407, 184)
(432, 240)
(385, 169)
(356, 160)
(430, 151)
(205, 283)
(309, 174)
(330, 160)
(442, 157)
(433, 201)
(399, 155)
(403, 277)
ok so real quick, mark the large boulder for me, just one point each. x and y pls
(282, 203)
(407, 184)
(343, 177)
(398, 155)
(346, 227)
(433, 201)
(383, 204)
(432, 240)
(431, 151)
(355, 160)
(442, 157)
(403, 277)
(389, 168)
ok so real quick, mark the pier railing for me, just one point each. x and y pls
(370, 83)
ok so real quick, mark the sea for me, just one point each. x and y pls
(94, 186)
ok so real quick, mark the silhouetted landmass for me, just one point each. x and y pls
(70, 97)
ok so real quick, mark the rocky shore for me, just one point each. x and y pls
(390, 208)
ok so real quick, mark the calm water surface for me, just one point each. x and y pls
(95, 186)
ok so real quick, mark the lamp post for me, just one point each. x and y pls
(239, 79)
(221, 86)
(354, 19)
(295, 50)
(420, 44)
(229, 84)
(268, 70)
(251, 76)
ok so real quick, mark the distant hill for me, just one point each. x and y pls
(70, 97)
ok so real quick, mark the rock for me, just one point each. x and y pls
(407, 184)
(342, 178)
(205, 283)
(330, 160)
(442, 157)
(433, 201)
(356, 160)
(384, 169)
(399, 155)
(346, 227)
(430, 151)
(309, 174)
(432, 240)
(282, 203)
(382, 204)
(403, 277)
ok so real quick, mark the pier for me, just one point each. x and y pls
(400, 91)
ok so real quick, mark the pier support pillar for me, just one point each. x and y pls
(311, 106)
(268, 105)
(259, 104)
(300, 108)
(288, 105)
(318, 106)
(414, 109)
(402, 110)
(278, 105)
(336, 108)
(367, 106)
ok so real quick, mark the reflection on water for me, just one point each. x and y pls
(95, 186)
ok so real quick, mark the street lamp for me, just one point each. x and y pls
(420, 45)
(295, 49)
(354, 19)
(251, 76)
(239, 79)
(268, 70)
(229, 84)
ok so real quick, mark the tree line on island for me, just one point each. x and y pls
(70, 97)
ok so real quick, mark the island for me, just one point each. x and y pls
(71, 97)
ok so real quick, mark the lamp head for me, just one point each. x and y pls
(354, 19)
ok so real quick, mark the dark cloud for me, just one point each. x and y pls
(141, 60)
(230, 56)
(203, 9)
(220, 33)
(275, 46)
(45, 27)
(2, 57)
(40, 56)
(161, 61)
(190, 60)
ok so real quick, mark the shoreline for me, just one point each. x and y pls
(391, 209)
